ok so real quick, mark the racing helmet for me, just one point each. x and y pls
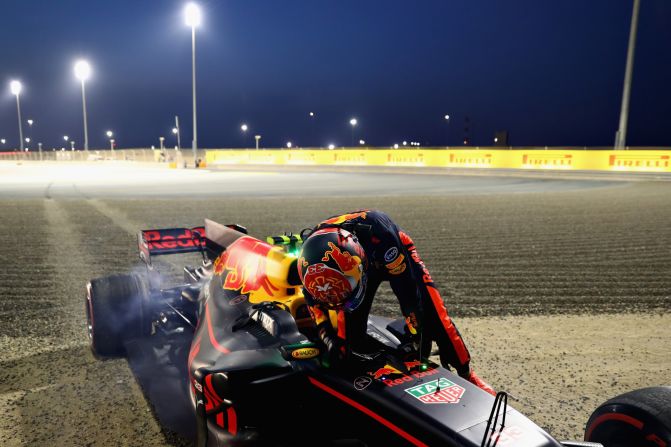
(332, 267)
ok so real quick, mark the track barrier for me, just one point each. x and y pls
(555, 159)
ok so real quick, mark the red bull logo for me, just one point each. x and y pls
(412, 364)
(386, 370)
(405, 379)
(344, 218)
(326, 284)
(246, 262)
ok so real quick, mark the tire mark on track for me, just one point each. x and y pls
(57, 400)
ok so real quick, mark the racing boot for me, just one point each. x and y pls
(477, 381)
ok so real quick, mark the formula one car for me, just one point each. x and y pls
(256, 375)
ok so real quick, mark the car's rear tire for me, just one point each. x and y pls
(116, 311)
(639, 418)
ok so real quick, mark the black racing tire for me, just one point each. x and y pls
(116, 311)
(640, 418)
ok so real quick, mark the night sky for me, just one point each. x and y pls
(549, 72)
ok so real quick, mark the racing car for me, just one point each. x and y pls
(255, 372)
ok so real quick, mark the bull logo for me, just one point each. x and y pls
(349, 264)
(344, 218)
(246, 263)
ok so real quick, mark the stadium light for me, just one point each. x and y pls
(192, 15)
(109, 134)
(244, 128)
(331, 146)
(15, 87)
(193, 18)
(289, 144)
(83, 73)
(353, 122)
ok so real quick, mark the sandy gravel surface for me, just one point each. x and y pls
(563, 297)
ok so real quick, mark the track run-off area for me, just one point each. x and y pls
(559, 284)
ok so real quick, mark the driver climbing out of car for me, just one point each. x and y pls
(342, 263)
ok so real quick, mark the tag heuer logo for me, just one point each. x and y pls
(440, 391)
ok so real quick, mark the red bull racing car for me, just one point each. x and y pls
(254, 374)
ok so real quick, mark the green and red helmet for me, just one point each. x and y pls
(332, 267)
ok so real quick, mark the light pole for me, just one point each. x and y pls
(83, 72)
(72, 145)
(257, 138)
(175, 131)
(193, 18)
(244, 128)
(447, 129)
(110, 134)
(30, 127)
(621, 134)
(313, 134)
(353, 122)
(15, 87)
(161, 139)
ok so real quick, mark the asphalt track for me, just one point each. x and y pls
(560, 285)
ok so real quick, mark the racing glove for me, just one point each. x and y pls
(335, 348)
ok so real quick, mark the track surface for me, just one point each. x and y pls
(561, 287)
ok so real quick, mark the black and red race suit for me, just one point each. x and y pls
(392, 257)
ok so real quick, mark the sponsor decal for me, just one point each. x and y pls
(391, 254)
(344, 218)
(396, 263)
(547, 160)
(174, 238)
(414, 375)
(426, 277)
(197, 385)
(412, 364)
(386, 370)
(326, 284)
(439, 391)
(305, 353)
(246, 263)
(507, 436)
(398, 270)
(639, 161)
(238, 299)
(362, 382)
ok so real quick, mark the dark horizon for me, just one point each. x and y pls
(550, 74)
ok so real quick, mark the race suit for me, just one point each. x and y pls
(392, 257)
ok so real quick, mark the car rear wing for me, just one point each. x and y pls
(170, 241)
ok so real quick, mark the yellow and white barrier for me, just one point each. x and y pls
(550, 159)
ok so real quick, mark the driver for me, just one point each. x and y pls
(344, 260)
